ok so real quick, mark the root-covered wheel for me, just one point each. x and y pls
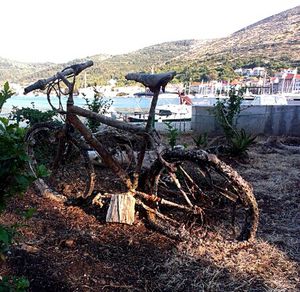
(70, 172)
(193, 188)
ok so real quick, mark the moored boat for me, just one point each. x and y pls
(168, 112)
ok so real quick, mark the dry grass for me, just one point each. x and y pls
(217, 265)
(67, 248)
(269, 264)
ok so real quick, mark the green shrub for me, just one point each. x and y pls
(5, 94)
(13, 284)
(225, 112)
(14, 180)
(240, 142)
(14, 177)
(31, 115)
(7, 234)
(97, 105)
(201, 140)
(172, 134)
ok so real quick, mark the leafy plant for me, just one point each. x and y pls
(225, 112)
(172, 134)
(5, 94)
(32, 115)
(240, 142)
(201, 140)
(14, 178)
(8, 234)
(6, 238)
(97, 105)
(13, 284)
(29, 213)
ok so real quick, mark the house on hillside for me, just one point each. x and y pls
(273, 84)
(259, 71)
(254, 72)
(289, 83)
(207, 88)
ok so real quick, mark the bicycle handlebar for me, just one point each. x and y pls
(68, 71)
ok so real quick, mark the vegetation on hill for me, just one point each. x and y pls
(272, 42)
(14, 71)
(269, 41)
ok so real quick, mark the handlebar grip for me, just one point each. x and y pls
(69, 71)
(40, 84)
(77, 68)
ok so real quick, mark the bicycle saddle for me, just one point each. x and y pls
(153, 81)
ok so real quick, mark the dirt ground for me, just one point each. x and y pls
(71, 248)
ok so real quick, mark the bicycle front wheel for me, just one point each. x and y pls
(70, 172)
(196, 188)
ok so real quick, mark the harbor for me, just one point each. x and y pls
(257, 114)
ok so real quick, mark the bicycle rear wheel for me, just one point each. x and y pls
(194, 188)
(71, 174)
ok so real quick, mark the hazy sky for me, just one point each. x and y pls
(61, 30)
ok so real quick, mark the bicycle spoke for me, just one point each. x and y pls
(177, 183)
(69, 169)
(192, 181)
(203, 186)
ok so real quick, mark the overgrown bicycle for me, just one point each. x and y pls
(180, 190)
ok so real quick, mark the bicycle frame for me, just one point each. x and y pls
(72, 114)
(167, 163)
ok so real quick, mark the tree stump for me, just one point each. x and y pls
(121, 209)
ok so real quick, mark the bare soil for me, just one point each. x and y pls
(71, 248)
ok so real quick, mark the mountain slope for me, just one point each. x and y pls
(274, 38)
(147, 59)
(21, 72)
(13, 70)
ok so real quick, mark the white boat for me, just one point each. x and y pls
(149, 94)
(248, 100)
(293, 98)
(265, 100)
(167, 112)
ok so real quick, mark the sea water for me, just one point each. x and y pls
(120, 104)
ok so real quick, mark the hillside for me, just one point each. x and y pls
(276, 37)
(21, 72)
(13, 71)
(147, 59)
(273, 40)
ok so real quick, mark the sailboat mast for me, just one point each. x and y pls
(84, 79)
